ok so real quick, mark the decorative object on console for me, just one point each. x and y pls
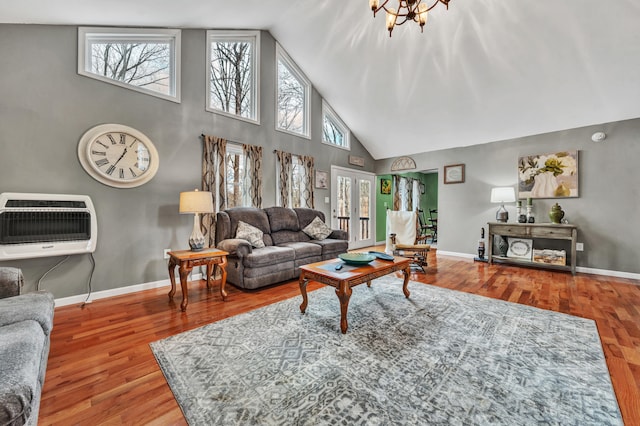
(520, 248)
(530, 216)
(548, 175)
(504, 194)
(481, 248)
(454, 173)
(550, 257)
(556, 214)
(196, 202)
(408, 10)
(118, 155)
(522, 218)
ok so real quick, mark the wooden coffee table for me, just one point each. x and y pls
(348, 277)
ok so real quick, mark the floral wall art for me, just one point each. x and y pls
(548, 175)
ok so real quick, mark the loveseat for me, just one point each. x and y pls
(25, 326)
(285, 244)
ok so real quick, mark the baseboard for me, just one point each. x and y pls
(82, 298)
(594, 271)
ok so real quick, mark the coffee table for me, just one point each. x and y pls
(349, 277)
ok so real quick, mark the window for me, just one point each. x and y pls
(334, 131)
(232, 73)
(235, 173)
(293, 93)
(294, 183)
(144, 60)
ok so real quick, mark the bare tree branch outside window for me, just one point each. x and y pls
(331, 132)
(291, 101)
(139, 64)
(230, 85)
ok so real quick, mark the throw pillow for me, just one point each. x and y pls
(317, 229)
(250, 233)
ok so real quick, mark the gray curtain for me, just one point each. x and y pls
(213, 180)
(306, 192)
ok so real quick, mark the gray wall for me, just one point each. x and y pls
(45, 107)
(606, 211)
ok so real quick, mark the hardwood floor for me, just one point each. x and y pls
(102, 371)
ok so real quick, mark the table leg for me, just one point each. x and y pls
(303, 290)
(172, 277)
(210, 269)
(405, 289)
(184, 273)
(344, 294)
(223, 279)
(369, 283)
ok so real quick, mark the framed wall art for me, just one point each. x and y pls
(454, 173)
(548, 175)
(385, 186)
(322, 179)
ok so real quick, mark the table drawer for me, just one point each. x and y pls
(551, 232)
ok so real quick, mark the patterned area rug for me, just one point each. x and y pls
(440, 357)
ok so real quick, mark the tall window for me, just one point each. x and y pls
(293, 96)
(144, 60)
(334, 131)
(235, 172)
(232, 73)
(294, 180)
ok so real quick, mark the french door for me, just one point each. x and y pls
(353, 205)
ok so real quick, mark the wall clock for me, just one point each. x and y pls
(118, 155)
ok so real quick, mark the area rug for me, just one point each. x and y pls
(439, 357)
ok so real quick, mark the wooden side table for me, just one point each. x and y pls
(187, 260)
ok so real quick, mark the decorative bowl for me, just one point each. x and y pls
(357, 258)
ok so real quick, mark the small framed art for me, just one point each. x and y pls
(322, 179)
(454, 173)
(385, 186)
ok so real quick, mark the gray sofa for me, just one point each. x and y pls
(287, 247)
(25, 326)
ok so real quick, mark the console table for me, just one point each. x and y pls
(534, 231)
(187, 260)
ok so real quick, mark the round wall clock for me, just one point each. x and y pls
(118, 155)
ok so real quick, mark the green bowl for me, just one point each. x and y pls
(357, 258)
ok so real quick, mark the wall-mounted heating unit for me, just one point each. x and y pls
(40, 225)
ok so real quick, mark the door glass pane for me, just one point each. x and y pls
(344, 202)
(365, 203)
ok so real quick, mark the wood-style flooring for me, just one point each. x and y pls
(102, 371)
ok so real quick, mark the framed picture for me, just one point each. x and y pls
(385, 186)
(454, 173)
(548, 175)
(356, 161)
(520, 248)
(322, 179)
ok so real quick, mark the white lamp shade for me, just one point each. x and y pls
(196, 202)
(503, 195)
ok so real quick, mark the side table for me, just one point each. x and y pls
(187, 260)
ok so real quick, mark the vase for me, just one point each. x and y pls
(544, 185)
(556, 214)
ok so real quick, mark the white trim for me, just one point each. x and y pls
(172, 36)
(281, 55)
(71, 300)
(582, 269)
(230, 35)
(331, 114)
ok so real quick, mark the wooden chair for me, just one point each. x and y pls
(405, 239)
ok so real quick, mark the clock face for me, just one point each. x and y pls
(118, 155)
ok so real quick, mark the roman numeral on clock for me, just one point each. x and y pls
(110, 136)
(111, 169)
(101, 153)
(102, 162)
(121, 173)
(123, 138)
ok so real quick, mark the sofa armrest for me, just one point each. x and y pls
(11, 281)
(235, 247)
(37, 306)
(339, 234)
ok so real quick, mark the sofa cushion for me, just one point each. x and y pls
(250, 233)
(282, 219)
(331, 248)
(317, 229)
(304, 250)
(269, 255)
(21, 347)
(251, 215)
(306, 216)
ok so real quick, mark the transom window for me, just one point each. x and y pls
(232, 73)
(334, 131)
(144, 60)
(293, 96)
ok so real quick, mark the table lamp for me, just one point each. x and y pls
(502, 195)
(196, 202)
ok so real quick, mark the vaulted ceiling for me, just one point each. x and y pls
(482, 71)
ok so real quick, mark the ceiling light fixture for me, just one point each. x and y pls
(408, 10)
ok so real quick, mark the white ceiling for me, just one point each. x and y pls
(483, 71)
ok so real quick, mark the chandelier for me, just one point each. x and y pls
(408, 10)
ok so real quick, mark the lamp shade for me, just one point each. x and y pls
(503, 195)
(196, 202)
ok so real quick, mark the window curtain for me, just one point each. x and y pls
(295, 191)
(252, 187)
(397, 197)
(403, 192)
(213, 180)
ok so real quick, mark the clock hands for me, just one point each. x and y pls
(121, 156)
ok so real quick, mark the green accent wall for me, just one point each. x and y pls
(428, 200)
